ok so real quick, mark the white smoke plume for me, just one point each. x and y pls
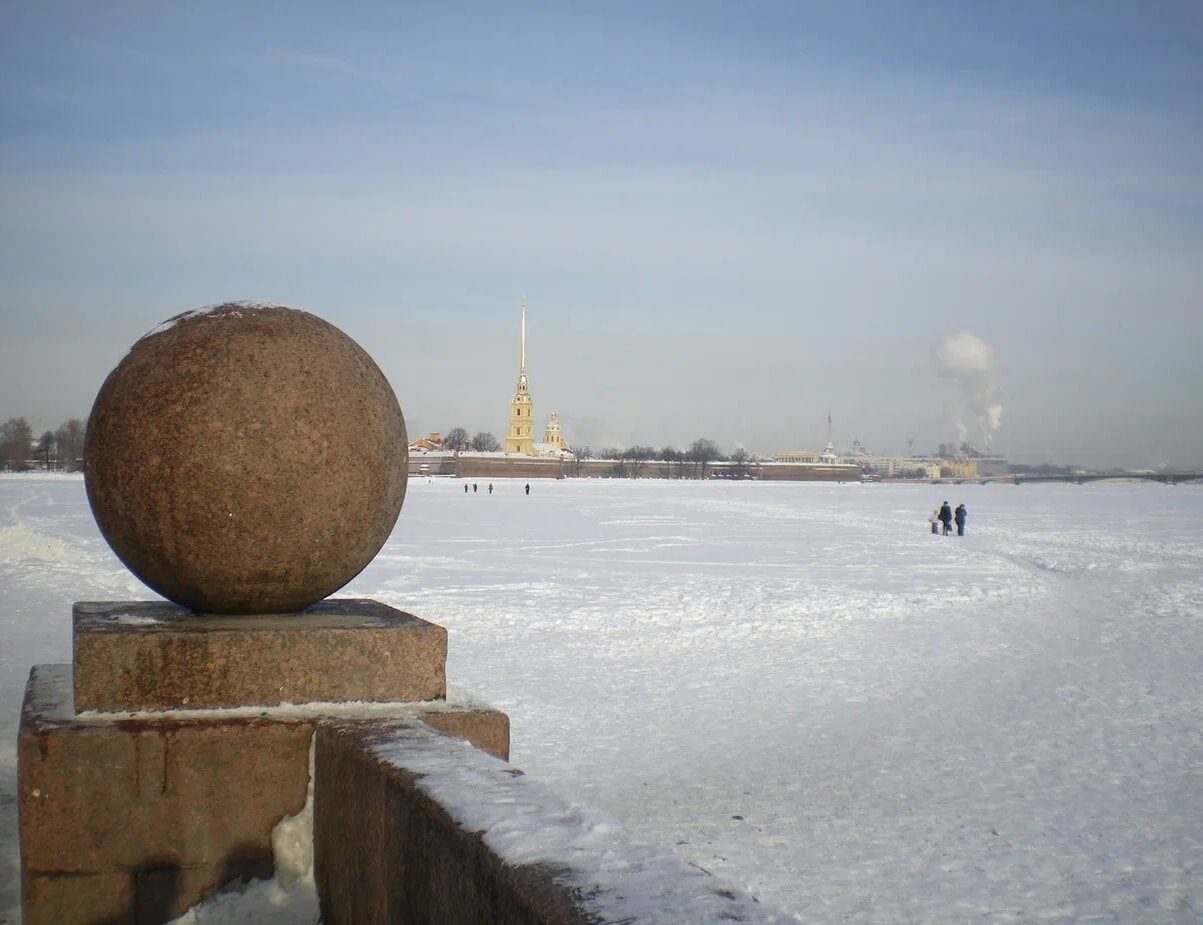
(970, 363)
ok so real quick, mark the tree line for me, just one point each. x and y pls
(694, 461)
(60, 449)
(458, 441)
(691, 462)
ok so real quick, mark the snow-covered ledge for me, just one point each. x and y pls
(412, 826)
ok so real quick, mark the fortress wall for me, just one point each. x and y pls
(805, 472)
(439, 465)
(620, 468)
(508, 467)
(471, 466)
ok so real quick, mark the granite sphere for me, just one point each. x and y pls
(246, 459)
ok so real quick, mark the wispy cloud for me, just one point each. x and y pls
(328, 64)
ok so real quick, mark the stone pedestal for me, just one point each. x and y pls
(157, 656)
(131, 817)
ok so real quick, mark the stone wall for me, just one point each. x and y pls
(129, 819)
(470, 466)
(805, 472)
(411, 827)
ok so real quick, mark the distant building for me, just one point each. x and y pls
(554, 445)
(431, 443)
(553, 435)
(797, 456)
(521, 436)
(965, 461)
(992, 465)
(957, 468)
(861, 457)
(828, 457)
(889, 466)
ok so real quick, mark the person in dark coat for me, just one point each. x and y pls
(961, 515)
(528, 488)
(946, 517)
(474, 486)
(465, 488)
(490, 488)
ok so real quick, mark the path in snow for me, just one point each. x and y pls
(794, 684)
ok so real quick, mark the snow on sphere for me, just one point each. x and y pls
(246, 459)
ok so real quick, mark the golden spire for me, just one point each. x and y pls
(522, 364)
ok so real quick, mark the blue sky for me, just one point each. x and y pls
(725, 218)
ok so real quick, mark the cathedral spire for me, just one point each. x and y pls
(521, 438)
(522, 364)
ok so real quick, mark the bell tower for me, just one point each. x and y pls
(553, 436)
(521, 436)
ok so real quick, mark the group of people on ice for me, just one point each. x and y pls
(946, 515)
(491, 487)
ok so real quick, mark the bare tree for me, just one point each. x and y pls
(70, 439)
(456, 440)
(739, 460)
(636, 456)
(47, 449)
(580, 455)
(674, 459)
(485, 442)
(613, 454)
(16, 436)
(702, 452)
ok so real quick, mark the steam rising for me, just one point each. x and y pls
(969, 362)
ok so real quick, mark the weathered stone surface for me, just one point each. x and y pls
(487, 729)
(166, 893)
(101, 795)
(155, 656)
(398, 837)
(159, 810)
(78, 899)
(246, 459)
(150, 896)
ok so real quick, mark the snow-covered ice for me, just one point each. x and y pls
(794, 685)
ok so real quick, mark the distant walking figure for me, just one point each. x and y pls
(961, 515)
(935, 522)
(946, 517)
(465, 488)
(490, 488)
(528, 488)
(474, 486)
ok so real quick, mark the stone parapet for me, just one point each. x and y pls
(411, 827)
(156, 656)
(133, 817)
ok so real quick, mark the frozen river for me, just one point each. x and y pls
(795, 685)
